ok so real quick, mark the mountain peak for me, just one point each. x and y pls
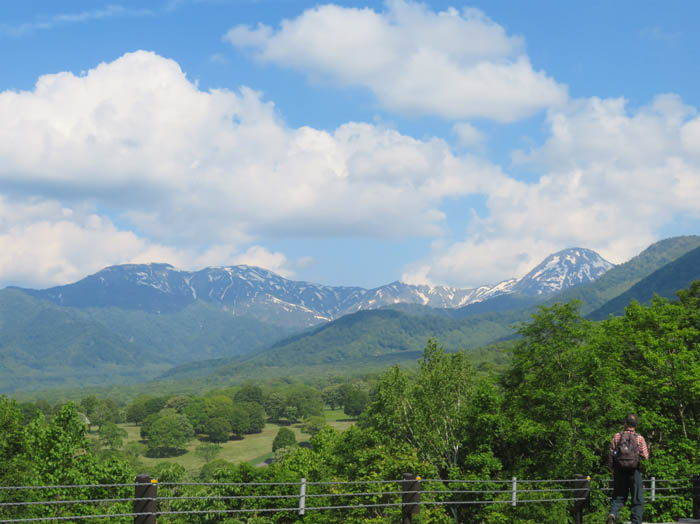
(261, 293)
(563, 269)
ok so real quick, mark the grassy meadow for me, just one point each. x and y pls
(254, 449)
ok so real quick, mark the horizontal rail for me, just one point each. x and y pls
(43, 519)
(500, 493)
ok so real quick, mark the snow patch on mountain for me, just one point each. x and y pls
(248, 290)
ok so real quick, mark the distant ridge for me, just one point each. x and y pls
(622, 277)
(355, 339)
(261, 294)
(238, 321)
(663, 282)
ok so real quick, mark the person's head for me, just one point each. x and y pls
(631, 421)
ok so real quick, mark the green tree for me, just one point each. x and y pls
(239, 419)
(178, 403)
(256, 417)
(274, 406)
(355, 402)
(105, 411)
(250, 393)
(169, 472)
(447, 413)
(561, 392)
(147, 424)
(196, 413)
(285, 438)
(313, 425)
(14, 467)
(169, 434)
(207, 451)
(112, 435)
(137, 411)
(333, 396)
(218, 429)
(305, 400)
(220, 406)
(209, 469)
(87, 406)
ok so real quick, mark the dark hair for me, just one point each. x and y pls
(631, 420)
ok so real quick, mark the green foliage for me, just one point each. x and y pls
(112, 435)
(285, 438)
(621, 278)
(196, 413)
(209, 469)
(255, 417)
(664, 282)
(560, 395)
(218, 429)
(546, 409)
(106, 411)
(250, 393)
(48, 345)
(54, 452)
(371, 338)
(168, 434)
(354, 402)
(169, 472)
(313, 424)
(207, 451)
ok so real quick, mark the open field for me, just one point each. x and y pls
(253, 448)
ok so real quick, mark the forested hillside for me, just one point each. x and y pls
(44, 345)
(365, 338)
(549, 414)
(622, 277)
(663, 282)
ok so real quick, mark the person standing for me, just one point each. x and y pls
(627, 449)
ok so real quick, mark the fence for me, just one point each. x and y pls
(410, 494)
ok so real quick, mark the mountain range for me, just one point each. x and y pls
(135, 322)
(266, 296)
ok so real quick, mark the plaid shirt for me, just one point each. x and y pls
(643, 449)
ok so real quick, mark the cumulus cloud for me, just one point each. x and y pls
(182, 167)
(613, 177)
(455, 64)
(468, 135)
(132, 162)
(44, 243)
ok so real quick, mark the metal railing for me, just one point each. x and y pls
(222, 498)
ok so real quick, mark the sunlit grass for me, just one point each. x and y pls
(253, 448)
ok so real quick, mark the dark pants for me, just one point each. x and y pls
(628, 483)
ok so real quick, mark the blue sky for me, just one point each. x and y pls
(348, 144)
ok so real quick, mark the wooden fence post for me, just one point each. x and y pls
(410, 498)
(146, 488)
(582, 492)
(696, 496)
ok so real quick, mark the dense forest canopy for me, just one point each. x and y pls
(549, 413)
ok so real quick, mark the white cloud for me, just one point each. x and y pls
(455, 64)
(690, 137)
(468, 135)
(43, 243)
(182, 167)
(132, 162)
(261, 257)
(612, 179)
